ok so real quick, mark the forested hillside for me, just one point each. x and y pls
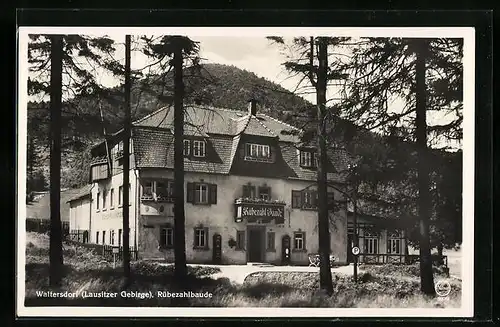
(221, 86)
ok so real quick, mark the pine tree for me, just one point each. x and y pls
(54, 70)
(425, 76)
(312, 63)
(180, 54)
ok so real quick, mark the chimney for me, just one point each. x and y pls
(252, 107)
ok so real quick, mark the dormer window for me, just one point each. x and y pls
(308, 159)
(199, 149)
(257, 152)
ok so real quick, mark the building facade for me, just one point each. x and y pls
(250, 190)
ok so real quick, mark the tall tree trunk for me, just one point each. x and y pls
(355, 223)
(126, 165)
(323, 221)
(56, 255)
(180, 272)
(440, 253)
(426, 276)
(31, 162)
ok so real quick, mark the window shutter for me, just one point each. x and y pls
(294, 199)
(314, 198)
(212, 193)
(388, 246)
(272, 153)
(163, 236)
(302, 200)
(206, 237)
(246, 191)
(190, 193)
(304, 240)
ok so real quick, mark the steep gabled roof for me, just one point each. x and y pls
(40, 208)
(81, 193)
(223, 128)
(204, 120)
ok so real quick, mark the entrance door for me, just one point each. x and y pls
(216, 249)
(285, 250)
(255, 244)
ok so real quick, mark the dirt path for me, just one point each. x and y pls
(237, 274)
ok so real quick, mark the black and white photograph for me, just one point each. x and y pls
(239, 172)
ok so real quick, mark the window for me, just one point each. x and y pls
(147, 189)
(240, 240)
(163, 191)
(97, 237)
(187, 147)
(299, 240)
(259, 152)
(370, 242)
(111, 198)
(265, 193)
(249, 192)
(104, 195)
(394, 246)
(120, 235)
(270, 241)
(200, 237)
(103, 237)
(112, 237)
(98, 205)
(310, 199)
(306, 199)
(307, 159)
(199, 148)
(120, 195)
(201, 193)
(167, 237)
(394, 243)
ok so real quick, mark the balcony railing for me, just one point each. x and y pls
(259, 201)
(157, 198)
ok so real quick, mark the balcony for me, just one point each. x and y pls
(259, 210)
(157, 198)
(99, 171)
(159, 209)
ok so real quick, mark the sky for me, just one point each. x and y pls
(253, 53)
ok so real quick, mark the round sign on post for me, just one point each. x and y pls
(355, 250)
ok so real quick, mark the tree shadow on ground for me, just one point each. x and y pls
(111, 280)
(261, 290)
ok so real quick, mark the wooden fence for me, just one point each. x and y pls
(43, 226)
(400, 259)
(107, 250)
(81, 236)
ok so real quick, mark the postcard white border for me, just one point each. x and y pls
(466, 310)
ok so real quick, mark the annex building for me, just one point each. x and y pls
(250, 192)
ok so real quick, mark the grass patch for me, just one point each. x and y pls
(407, 271)
(371, 291)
